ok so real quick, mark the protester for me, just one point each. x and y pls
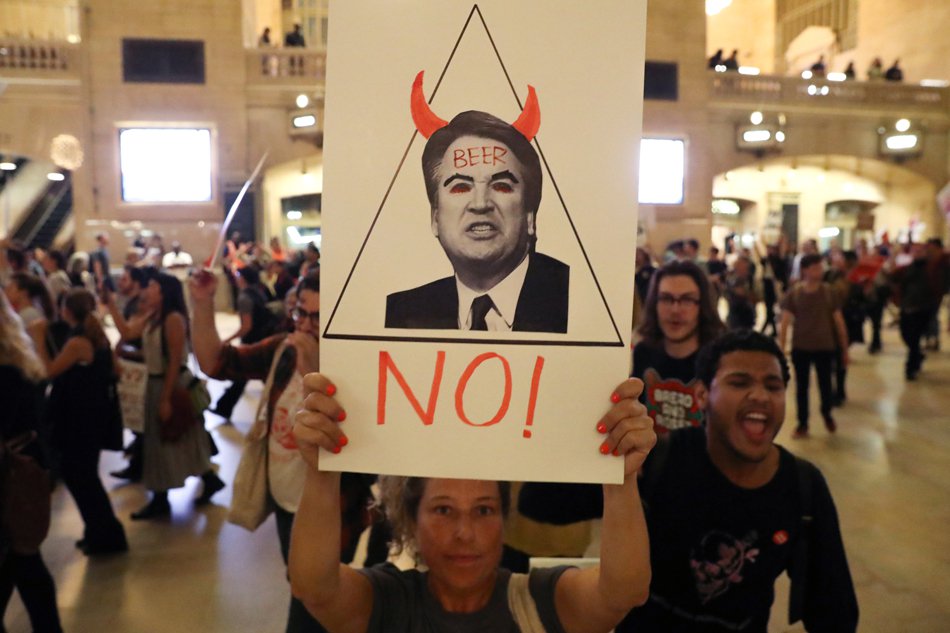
(818, 334)
(455, 527)
(54, 265)
(921, 285)
(281, 361)
(83, 411)
(678, 318)
(163, 327)
(21, 564)
(742, 294)
(257, 323)
(729, 510)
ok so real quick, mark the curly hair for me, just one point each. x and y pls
(707, 362)
(399, 500)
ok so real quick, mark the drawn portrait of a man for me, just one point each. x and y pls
(483, 181)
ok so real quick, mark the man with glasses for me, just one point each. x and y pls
(678, 317)
(281, 361)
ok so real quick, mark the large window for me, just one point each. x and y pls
(662, 170)
(165, 164)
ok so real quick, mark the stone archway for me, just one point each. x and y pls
(808, 184)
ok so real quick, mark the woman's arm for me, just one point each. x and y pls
(77, 349)
(594, 600)
(204, 333)
(174, 330)
(130, 329)
(246, 324)
(339, 597)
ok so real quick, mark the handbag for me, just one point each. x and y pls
(251, 502)
(185, 400)
(24, 497)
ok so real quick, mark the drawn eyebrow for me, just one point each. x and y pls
(504, 175)
(457, 177)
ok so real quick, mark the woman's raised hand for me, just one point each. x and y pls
(317, 424)
(627, 428)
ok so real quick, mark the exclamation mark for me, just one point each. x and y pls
(533, 397)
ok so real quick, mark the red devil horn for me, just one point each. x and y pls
(530, 119)
(422, 115)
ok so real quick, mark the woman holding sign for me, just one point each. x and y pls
(454, 526)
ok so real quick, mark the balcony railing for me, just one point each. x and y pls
(789, 91)
(286, 65)
(37, 58)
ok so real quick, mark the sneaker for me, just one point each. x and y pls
(800, 433)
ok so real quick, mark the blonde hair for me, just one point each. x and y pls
(16, 346)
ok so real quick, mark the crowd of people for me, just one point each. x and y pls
(875, 72)
(64, 372)
(710, 372)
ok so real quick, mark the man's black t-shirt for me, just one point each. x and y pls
(669, 387)
(716, 549)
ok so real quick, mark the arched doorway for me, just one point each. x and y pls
(812, 196)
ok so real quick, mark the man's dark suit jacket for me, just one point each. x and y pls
(542, 304)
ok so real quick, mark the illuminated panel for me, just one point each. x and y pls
(662, 169)
(165, 164)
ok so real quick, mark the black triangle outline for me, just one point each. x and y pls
(478, 341)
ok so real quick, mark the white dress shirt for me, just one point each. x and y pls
(504, 296)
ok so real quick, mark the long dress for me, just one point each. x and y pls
(168, 464)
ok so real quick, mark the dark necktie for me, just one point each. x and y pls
(480, 308)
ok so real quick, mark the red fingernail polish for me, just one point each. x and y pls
(336, 449)
(343, 441)
(604, 449)
(341, 416)
(616, 453)
(331, 390)
(615, 398)
(601, 428)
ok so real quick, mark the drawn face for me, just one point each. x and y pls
(677, 308)
(459, 534)
(479, 218)
(745, 405)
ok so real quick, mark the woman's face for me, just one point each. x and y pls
(153, 295)
(459, 534)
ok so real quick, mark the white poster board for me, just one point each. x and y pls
(442, 401)
(131, 389)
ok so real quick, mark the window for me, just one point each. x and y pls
(662, 170)
(661, 81)
(165, 164)
(163, 61)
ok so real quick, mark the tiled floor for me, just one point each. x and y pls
(888, 468)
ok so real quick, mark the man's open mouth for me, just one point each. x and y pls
(481, 229)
